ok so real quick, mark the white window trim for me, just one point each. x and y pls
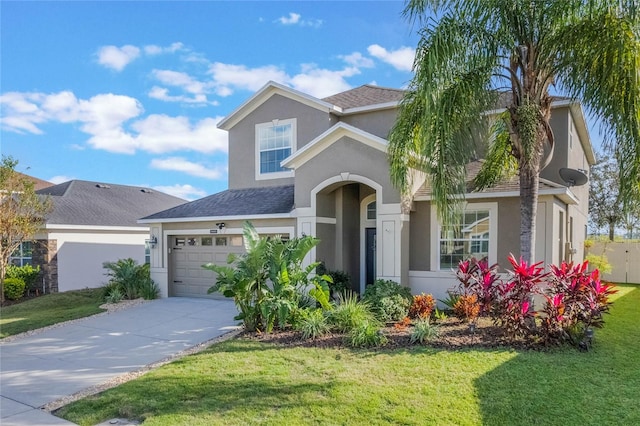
(493, 232)
(22, 258)
(294, 143)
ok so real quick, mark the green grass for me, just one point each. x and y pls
(49, 309)
(243, 382)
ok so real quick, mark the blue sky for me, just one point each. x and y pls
(130, 92)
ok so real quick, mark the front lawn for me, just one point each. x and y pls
(49, 309)
(248, 382)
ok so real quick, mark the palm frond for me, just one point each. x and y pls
(599, 63)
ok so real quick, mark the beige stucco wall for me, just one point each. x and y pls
(345, 155)
(378, 123)
(310, 122)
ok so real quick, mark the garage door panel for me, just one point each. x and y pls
(189, 277)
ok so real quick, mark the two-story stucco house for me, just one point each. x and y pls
(299, 165)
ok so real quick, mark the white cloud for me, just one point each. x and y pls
(227, 77)
(162, 94)
(107, 119)
(180, 164)
(159, 133)
(198, 90)
(357, 60)
(60, 179)
(321, 82)
(186, 192)
(296, 19)
(401, 59)
(292, 19)
(117, 58)
(153, 49)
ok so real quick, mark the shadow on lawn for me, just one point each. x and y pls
(567, 387)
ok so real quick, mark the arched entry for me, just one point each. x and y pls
(344, 217)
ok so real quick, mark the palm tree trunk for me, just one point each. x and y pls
(528, 210)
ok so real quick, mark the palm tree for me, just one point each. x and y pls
(515, 50)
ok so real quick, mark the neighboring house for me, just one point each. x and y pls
(91, 223)
(299, 165)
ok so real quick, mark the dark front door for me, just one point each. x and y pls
(370, 257)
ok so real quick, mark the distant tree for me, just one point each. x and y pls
(22, 213)
(606, 208)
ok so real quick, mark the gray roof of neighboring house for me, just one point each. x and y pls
(365, 96)
(234, 202)
(80, 202)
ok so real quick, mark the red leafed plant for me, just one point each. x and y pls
(422, 306)
(479, 278)
(575, 301)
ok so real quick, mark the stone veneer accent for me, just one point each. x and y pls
(45, 255)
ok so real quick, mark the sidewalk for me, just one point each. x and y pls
(45, 367)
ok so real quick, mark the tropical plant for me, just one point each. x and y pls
(467, 307)
(131, 279)
(113, 295)
(482, 55)
(402, 324)
(576, 300)
(348, 312)
(599, 262)
(312, 323)
(422, 306)
(366, 334)
(22, 212)
(340, 280)
(423, 331)
(13, 288)
(389, 300)
(514, 305)
(268, 280)
(451, 299)
(478, 278)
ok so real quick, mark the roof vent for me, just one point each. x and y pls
(146, 191)
(102, 185)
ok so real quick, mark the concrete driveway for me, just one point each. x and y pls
(50, 365)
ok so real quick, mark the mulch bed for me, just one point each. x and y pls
(454, 334)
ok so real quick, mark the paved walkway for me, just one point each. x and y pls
(42, 368)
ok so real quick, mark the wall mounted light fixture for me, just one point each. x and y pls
(153, 241)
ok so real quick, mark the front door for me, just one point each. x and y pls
(370, 258)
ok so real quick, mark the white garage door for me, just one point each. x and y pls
(189, 253)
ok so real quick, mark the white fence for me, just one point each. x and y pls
(624, 258)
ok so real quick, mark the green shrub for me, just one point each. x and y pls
(389, 300)
(27, 273)
(312, 323)
(600, 263)
(366, 334)
(393, 308)
(349, 313)
(423, 331)
(131, 279)
(14, 288)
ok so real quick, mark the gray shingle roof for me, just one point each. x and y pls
(80, 202)
(506, 185)
(365, 96)
(234, 202)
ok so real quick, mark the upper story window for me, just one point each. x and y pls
(275, 141)
(23, 254)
